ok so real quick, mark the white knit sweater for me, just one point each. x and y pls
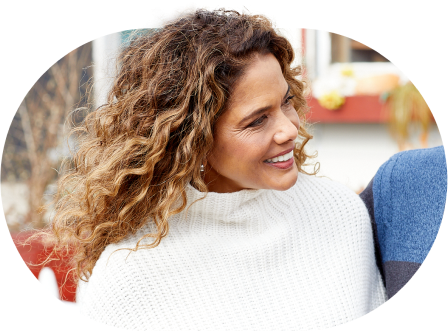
(252, 260)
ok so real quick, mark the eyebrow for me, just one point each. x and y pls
(263, 109)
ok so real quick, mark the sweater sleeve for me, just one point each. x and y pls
(409, 195)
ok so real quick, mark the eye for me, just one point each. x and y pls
(260, 121)
(287, 100)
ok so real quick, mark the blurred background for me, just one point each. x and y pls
(362, 111)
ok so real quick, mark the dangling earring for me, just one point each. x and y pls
(202, 168)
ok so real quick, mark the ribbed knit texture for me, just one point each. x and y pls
(300, 259)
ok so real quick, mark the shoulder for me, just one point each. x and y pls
(424, 156)
(117, 259)
(327, 197)
(409, 193)
(419, 163)
(415, 175)
(322, 187)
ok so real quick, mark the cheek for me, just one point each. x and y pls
(294, 118)
(240, 151)
(221, 153)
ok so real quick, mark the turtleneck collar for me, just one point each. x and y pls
(219, 205)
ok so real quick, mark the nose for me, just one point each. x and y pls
(286, 130)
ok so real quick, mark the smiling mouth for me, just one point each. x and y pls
(283, 165)
(281, 158)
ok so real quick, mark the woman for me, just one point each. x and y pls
(188, 204)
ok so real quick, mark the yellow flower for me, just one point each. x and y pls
(347, 72)
(332, 100)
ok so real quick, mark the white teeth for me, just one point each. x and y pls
(281, 158)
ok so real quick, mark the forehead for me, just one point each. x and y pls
(262, 85)
(263, 72)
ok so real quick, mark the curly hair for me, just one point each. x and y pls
(139, 151)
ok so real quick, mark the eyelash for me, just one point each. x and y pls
(261, 119)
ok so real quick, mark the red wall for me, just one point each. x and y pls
(356, 109)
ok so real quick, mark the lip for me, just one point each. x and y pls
(282, 165)
(280, 154)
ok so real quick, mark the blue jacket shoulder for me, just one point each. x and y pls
(409, 200)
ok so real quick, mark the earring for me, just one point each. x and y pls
(202, 168)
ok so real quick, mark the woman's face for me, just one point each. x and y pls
(259, 125)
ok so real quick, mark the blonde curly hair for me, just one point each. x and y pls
(139, 151)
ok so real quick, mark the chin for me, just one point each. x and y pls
(286, 182)
(283, 187)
